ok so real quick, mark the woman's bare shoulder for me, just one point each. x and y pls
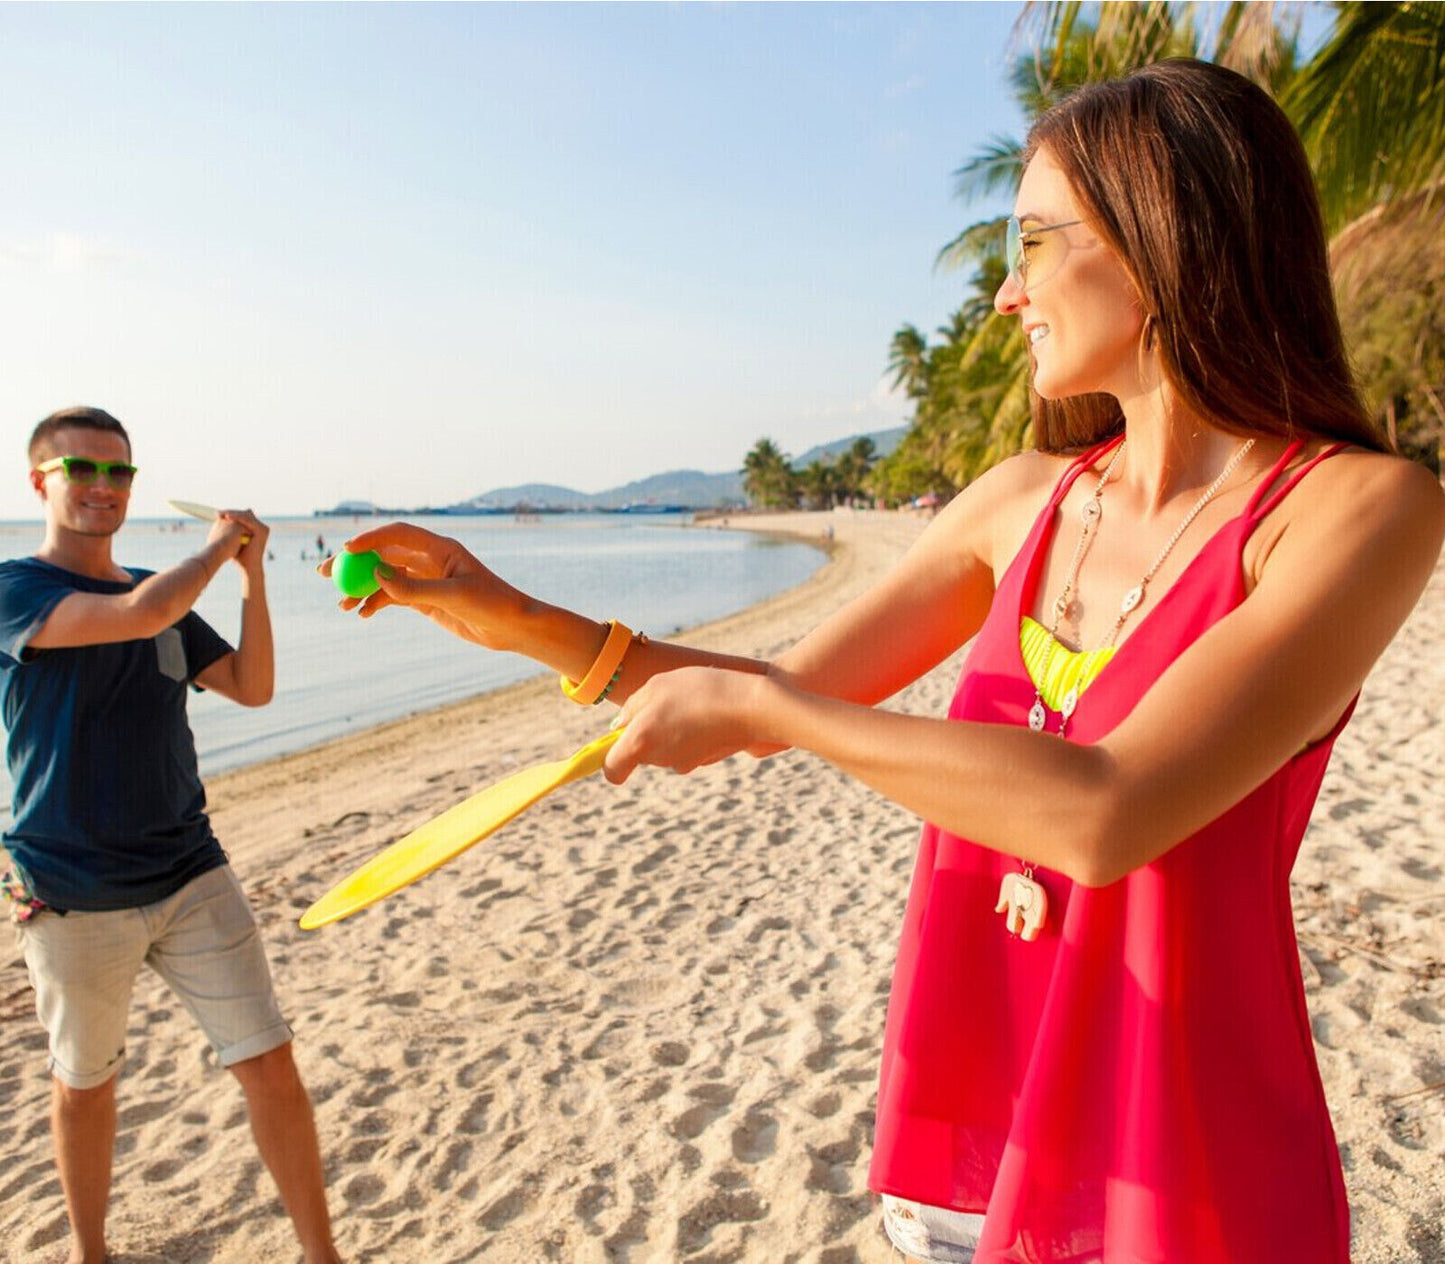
(1357, 483)
(1022, 482)
(1362, 499)
(996, 511)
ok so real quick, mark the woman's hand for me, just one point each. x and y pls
(686, 718)
(699, 717)
(437, 577)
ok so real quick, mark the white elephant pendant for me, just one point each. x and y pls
(1024, 904)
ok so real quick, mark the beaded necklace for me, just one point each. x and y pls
(1021, 898)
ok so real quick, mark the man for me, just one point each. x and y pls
(114, 859)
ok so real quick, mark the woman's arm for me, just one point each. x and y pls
(929, 605)
(438, 577)
(1246, 696)
(933, 601)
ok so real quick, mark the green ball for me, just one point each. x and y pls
(355, 573)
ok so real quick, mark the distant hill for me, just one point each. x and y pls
(689, 489)
(884, 441)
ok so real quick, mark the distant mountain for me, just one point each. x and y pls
(692, 489)
(533, 494)
(688, 489)
(884, 441)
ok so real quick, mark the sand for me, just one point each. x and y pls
(643, 1022)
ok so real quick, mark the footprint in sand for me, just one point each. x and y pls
(671, 1053)
(1421, 1010)
(362, 1189)
(634, 1229)
(506, 1209)
(724, 1207)
(825, 1105)
(833, 1167)
(712, 1101)
(456, 1161)
(756, 1137)
(657, 857)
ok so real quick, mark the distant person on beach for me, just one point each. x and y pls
(114, 861)
(1097, 1045)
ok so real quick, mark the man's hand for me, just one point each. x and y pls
(251, 534)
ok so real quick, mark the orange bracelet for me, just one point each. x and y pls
(593, 687)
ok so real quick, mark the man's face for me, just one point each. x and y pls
(92, 509)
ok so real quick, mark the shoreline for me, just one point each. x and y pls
(842, 574)
(642, 1023)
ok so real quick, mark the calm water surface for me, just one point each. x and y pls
(336, 674)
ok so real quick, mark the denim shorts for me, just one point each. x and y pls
(934, 1235)
(202, 941)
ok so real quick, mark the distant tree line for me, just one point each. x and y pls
(771, 482)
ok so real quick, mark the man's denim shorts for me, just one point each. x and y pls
(202, 941)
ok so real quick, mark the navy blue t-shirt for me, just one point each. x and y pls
(109, 807)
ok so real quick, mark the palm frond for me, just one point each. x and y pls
(996, 168)
(1257, 38)
(978, 243)
(1371, 105)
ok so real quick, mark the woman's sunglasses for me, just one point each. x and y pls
(81, 469)
(1034, 256)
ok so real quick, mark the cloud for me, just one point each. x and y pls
(882, 407)
(61, 252)
(886, 395)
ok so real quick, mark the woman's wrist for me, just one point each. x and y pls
(555, 637)
(764, 704)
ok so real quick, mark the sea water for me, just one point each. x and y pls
(337, 673)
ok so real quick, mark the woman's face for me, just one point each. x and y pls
(1081, 313)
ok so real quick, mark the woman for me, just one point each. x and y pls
(1174, 602)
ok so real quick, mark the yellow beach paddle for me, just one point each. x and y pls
(444, 837)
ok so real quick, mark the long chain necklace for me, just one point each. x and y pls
(1091, 515)
(1021, 898)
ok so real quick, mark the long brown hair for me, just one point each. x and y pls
(1194, 177)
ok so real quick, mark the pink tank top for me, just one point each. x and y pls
(1139, 1083)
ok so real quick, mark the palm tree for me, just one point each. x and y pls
(975, 397)
(851, 469)
(1389, 270)
(908, 361)
(819, 483)
(1370, 106)
(914, 468)
(768, 479)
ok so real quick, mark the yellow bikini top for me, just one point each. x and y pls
(1055, 674)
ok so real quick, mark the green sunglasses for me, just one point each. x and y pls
(81, 469)
(1031, 255)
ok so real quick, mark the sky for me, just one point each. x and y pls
(408, 253)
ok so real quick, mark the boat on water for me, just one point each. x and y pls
(648, 507)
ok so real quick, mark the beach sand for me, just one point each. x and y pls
(642, 1023)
